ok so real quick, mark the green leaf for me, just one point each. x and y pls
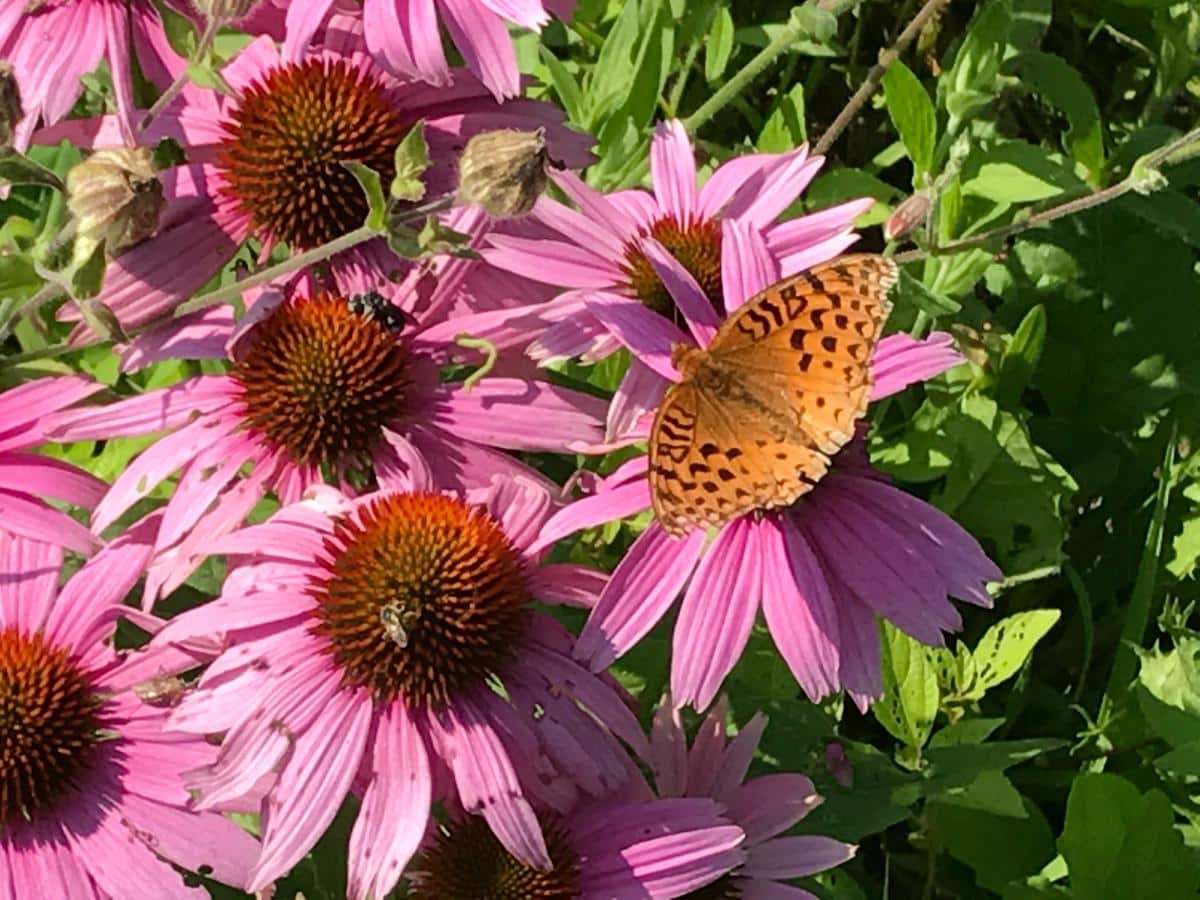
(1118, 842)
(1020, 358)
(970, 835)
(87, 274)
(929, 301)
(1006, 645)
(785, 128)
(1169, 691)
(840, 185)
(18, 169)
(565, 85)
(612, 75)
(372, 186)
(411, 161)
(912, 113)
(910, 688)
(1064, 88)
(968, 84)
(719, 45)
(1015, 172)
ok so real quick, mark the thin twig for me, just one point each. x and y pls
(1133, 181)
(875, 76)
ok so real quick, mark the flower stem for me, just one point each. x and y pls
(1137, 179)
(206, 39)
(875, 76)
(264, 276)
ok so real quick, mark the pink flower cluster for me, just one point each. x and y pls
(388, 533)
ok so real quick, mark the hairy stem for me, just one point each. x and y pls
(1176, 151)
(875, 76)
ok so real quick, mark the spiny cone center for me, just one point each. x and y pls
(696, 246)
(468, 863)
(424, 597)
(288, 139)
(322, 380)
(47, 724)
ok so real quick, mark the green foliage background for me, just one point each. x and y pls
(1053, 750)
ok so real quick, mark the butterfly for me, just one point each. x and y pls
(758, 415)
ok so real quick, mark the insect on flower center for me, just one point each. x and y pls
(287, 142)
(423, 597)
(47, 725)
(468, 863)
(697, 247)
(323, 377)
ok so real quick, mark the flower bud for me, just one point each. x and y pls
(908, 215)
(11, 111)
(503, 171)
(115, 197)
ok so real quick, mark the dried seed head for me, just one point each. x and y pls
(11, 111)
(504, 171)
(908, 215)
(115, 196)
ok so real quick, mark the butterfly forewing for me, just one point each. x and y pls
(776, 394)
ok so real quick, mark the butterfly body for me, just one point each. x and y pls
(758, 414)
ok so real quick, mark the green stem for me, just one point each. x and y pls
(875, 76)
(743, 77)
(1178, 150)
(308, 258)
(202, 46)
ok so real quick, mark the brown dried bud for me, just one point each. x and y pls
(11, 111)
(908, 215)
(115, 197)
(504, 171)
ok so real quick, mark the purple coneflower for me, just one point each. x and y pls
(92, 804)
(387, 644)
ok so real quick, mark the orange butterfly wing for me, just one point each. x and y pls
(759, 414)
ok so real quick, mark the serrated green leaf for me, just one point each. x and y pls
(912, 113)
(411, 161)
(719, 45)
(1006, 645)
(910, 688)
(372, 185)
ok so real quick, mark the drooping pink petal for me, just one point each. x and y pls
(624, 500)
(567, 584)
(395, 807)
(781, 188)
(529, 14)
(639, 393)
(647, 334)
(149, 412)
(795, 857)
(716, 615)
(485, 45)
(404, 34)
(552, 262)
(24, 409)
(771, 804)
(702, 320)
(668, 750)
(31, 519)
(738, 754)
(304, 18)
(201, 335)
(799, 608)
(123, 866)
(519, 415)
(642, 587)
(29, 583)
(322, 765)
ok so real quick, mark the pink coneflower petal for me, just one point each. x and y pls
(617, 503)
(646, 333)
(771, 804)
(581, 230)
(747, 266)
(496, 411)
(304, 19)
(46, 477)
(901, 360)
(201, 335)
(743, 174)
(555, 262)
(791, 239)
(31, 595)
(485, 45)
(487, 782)
(324, 761)
(716, 616)
(639, 393)
(799, 609)
(858, 643)
(788, 180)
(673, 170)
(702, 319)
(596, 206)
(395, 807)
(31, 519)
(796, 857)
(567, 584)
(25, 409)
(737, 757)
(644, 584)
